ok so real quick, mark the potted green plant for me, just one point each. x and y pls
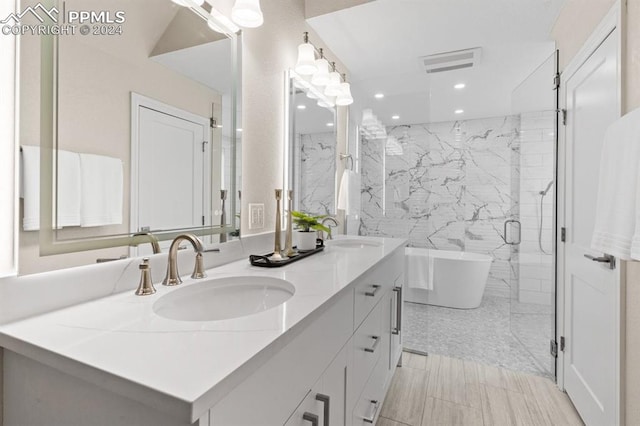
(307, 225)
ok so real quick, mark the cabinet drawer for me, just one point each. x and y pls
(368, 343)
(366, 410)
(370, 289)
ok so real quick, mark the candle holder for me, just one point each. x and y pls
(276, 247)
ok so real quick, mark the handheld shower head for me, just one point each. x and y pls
(546, 189)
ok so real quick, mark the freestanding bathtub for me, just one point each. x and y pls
(458, 279)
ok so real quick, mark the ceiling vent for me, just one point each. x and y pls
(449, 61)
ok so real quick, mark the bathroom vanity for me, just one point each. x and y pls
(325, 356)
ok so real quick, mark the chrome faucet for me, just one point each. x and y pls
(324, 221)
(146, 237)
(173, 278)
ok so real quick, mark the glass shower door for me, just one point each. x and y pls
(532, 227)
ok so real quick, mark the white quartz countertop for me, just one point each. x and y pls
(185, 367)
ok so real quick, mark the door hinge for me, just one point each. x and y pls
(554, 349)
(563, 234)
(562, 343)
(564, 116)
(213, 123)
(202, 220)
(556, 81)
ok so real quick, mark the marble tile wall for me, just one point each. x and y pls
(315, 177)
(452, 189)
(536, 273)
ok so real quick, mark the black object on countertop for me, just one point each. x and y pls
(265, 261)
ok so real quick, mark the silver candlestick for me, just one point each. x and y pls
(276, 248)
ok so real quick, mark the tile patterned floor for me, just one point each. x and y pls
(437, 390)
(483, 334)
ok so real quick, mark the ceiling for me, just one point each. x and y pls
(380, 42)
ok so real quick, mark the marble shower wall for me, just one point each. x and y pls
(315, 189)
(452, 189)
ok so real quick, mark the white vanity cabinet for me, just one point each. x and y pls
(331, 365)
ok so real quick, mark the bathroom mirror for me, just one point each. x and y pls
(311, 147)
(137, 124)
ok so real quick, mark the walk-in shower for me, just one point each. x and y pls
(482, 186)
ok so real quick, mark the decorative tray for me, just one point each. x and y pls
(265, 261)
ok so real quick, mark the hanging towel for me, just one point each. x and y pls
(30, 187)
(102, 190)
(617, 223)
(343, 192)
(68, 187)
(419, 267)
(349, 193)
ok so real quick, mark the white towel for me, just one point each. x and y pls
(349, 193)
(102, 190)
(617, 224)
(419, 267)
(30, 187)
(343, 192)
(68, 185)
(68, 189)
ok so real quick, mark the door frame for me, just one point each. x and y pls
(138, 101)
(613, 21)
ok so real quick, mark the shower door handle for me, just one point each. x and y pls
(506, 225)
(607, 258)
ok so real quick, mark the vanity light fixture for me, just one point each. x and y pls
(247, 13)
(459, 111)
(321, 76)
(329, 85)
(306, 64)
(459, 86)
(379, 95)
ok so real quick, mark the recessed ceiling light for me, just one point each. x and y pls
(302, 107)
(395, 117)
(459, 111)
(379, 95)
(459, 86)
(329, 124)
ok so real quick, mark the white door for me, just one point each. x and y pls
(173, 173)
(591, 289)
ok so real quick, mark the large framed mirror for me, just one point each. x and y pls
(311, 148)
(135, 126)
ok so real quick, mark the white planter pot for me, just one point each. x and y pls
(306, 240)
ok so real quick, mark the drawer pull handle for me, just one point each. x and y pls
(373, 347)
(310, 418)
(325, 399)
(370, 419)
(398, 327)
(372, 293)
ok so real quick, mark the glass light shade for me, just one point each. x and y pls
(306, 64)
(247, 13)
(344, 98)
(333, 87)
(321, 77)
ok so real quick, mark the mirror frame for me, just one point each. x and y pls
(49, 245)
(288, 178)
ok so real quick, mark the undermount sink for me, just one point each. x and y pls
(224, 298)
(354, 243)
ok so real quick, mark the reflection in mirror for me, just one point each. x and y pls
(145, 131)
(312, 148)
